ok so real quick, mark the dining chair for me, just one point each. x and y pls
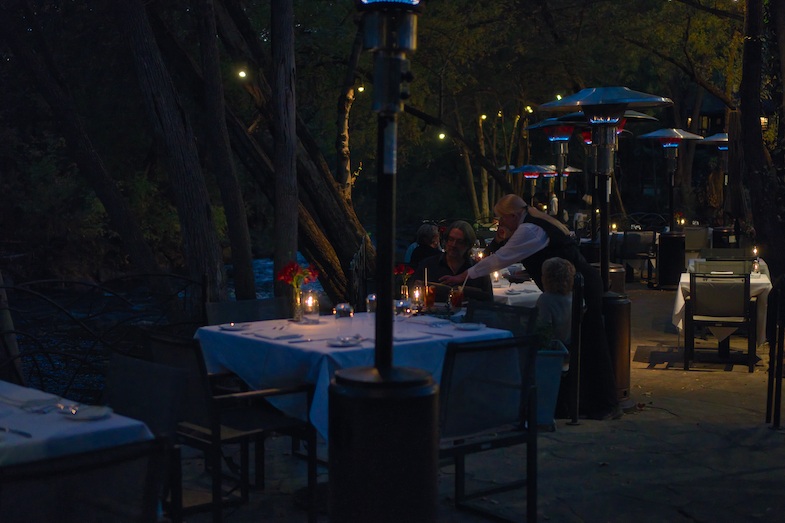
(734, 266)
(151, 393)
(488, 400)
(210, 422)
(117, 483)
(517, 319)
(721, 303)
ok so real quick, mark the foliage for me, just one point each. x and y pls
(473, 58)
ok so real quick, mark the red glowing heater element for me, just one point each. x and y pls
(531, 176)
(586, 136)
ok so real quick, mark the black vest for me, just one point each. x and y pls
(559, 245)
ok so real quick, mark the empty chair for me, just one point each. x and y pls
(516, 319)
(118, 484)
(211, 422)
(246, 310)
(488, 400)
(722, 303)
(151, 393)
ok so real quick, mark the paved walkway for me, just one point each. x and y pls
(694, 449)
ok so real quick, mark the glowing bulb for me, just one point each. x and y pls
(442, 136)
(360, 89)
(242, 74)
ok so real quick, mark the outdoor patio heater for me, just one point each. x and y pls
(604, 108)
(383, 423)
(532, 173)
(558, 133)
(670, 140)
(671, 251)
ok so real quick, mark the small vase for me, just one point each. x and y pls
(297, 304)
(404, 292)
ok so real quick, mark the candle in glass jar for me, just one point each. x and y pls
(417, 298)
(496, 276)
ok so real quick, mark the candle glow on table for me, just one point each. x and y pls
(311, 305)
(417, 298)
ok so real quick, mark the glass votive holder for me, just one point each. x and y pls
(370, 303)
(418, 298)
(311, 307)
(496, 276)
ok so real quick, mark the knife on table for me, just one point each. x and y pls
(17, 432)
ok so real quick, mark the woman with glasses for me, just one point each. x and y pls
(529, 236)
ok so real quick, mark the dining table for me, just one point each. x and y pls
(36, 425)
(760, 286)
(280, 353)
(519, 294)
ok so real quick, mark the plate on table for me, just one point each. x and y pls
(234, 326)
(84, 412)
(344, 341)
(513, 292)
(469, 326)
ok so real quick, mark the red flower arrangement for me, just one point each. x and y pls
(296, 276)
(404, 271)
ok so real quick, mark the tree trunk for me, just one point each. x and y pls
(768, 232)
(329, 231)
(343, 171)
(220, 151)
(174, 135)
(284, 138)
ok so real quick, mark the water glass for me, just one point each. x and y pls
(343, 312)
(403, 308)
(370, 303)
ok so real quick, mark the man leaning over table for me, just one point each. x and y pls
(455, 259)
(530, 236)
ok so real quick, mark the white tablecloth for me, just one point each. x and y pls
(53, 434)
(760, 286)
(268, 362)
(522, 294)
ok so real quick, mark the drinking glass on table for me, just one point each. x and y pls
(430, 296)
(370, 303)
(403, 309)
(343, 312)
(456, 298)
